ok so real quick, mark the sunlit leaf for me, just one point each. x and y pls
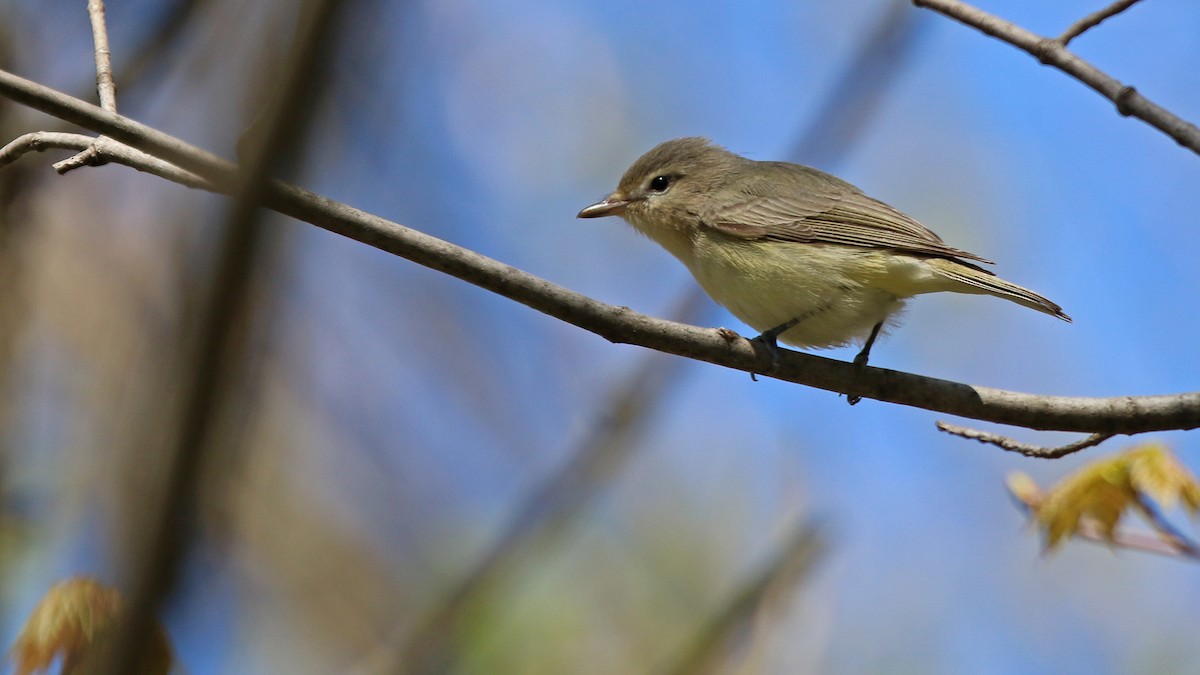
(1099, 491)
(1156, 473)
(71, 621)
(1098, 495)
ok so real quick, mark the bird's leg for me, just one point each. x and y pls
(767, 339)
(860, 361)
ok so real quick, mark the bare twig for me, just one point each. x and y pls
(1117, 415)
(105, 85)
(1052, 53)
(99, 150)
(1094, 19)
(1013, 445)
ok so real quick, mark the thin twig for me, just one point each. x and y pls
(105, 85)
(101, 150)
(1052, 53)
(1094, 19)
(1116, 415)
(1013, 445)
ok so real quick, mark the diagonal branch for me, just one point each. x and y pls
(1122, 414)
(1051, 52)
(791, 565)
(1094, 19)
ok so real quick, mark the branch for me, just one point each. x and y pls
(105, 85)
(97, 151)
(1094, 19)
(1051, 52)
(1123, 415)
(91, 155)
(1013, 445)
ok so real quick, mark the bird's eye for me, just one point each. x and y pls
(660, 183)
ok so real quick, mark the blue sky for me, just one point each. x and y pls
(491, 124)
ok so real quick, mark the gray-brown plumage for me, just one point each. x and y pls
(793, 251)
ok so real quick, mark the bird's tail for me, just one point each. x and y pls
(972, 279)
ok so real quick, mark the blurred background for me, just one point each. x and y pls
(420, 476)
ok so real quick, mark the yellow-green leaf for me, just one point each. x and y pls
(71, 621)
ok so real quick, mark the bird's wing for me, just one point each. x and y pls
(831, 212)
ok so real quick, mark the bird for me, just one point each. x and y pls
(797, 254)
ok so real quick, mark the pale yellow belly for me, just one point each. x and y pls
(835, 290)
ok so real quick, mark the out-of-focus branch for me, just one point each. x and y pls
(1094, 19)
(859, 90)
(1134, 541)
(1119, 415)
(1185, 545)
(550, 506)
(1051, 52)
(790, 566)
(207, 371)
(628, 406)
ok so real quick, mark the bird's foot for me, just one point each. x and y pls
(767, 339)
(860, 362)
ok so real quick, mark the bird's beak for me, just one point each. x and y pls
(611, 206)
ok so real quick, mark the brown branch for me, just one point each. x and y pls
(1013, 445)
(1051, 52)
(1094, 19)
(1116, 415)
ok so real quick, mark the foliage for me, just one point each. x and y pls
(1092, 501)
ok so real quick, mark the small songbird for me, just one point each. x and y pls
(799, 255)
